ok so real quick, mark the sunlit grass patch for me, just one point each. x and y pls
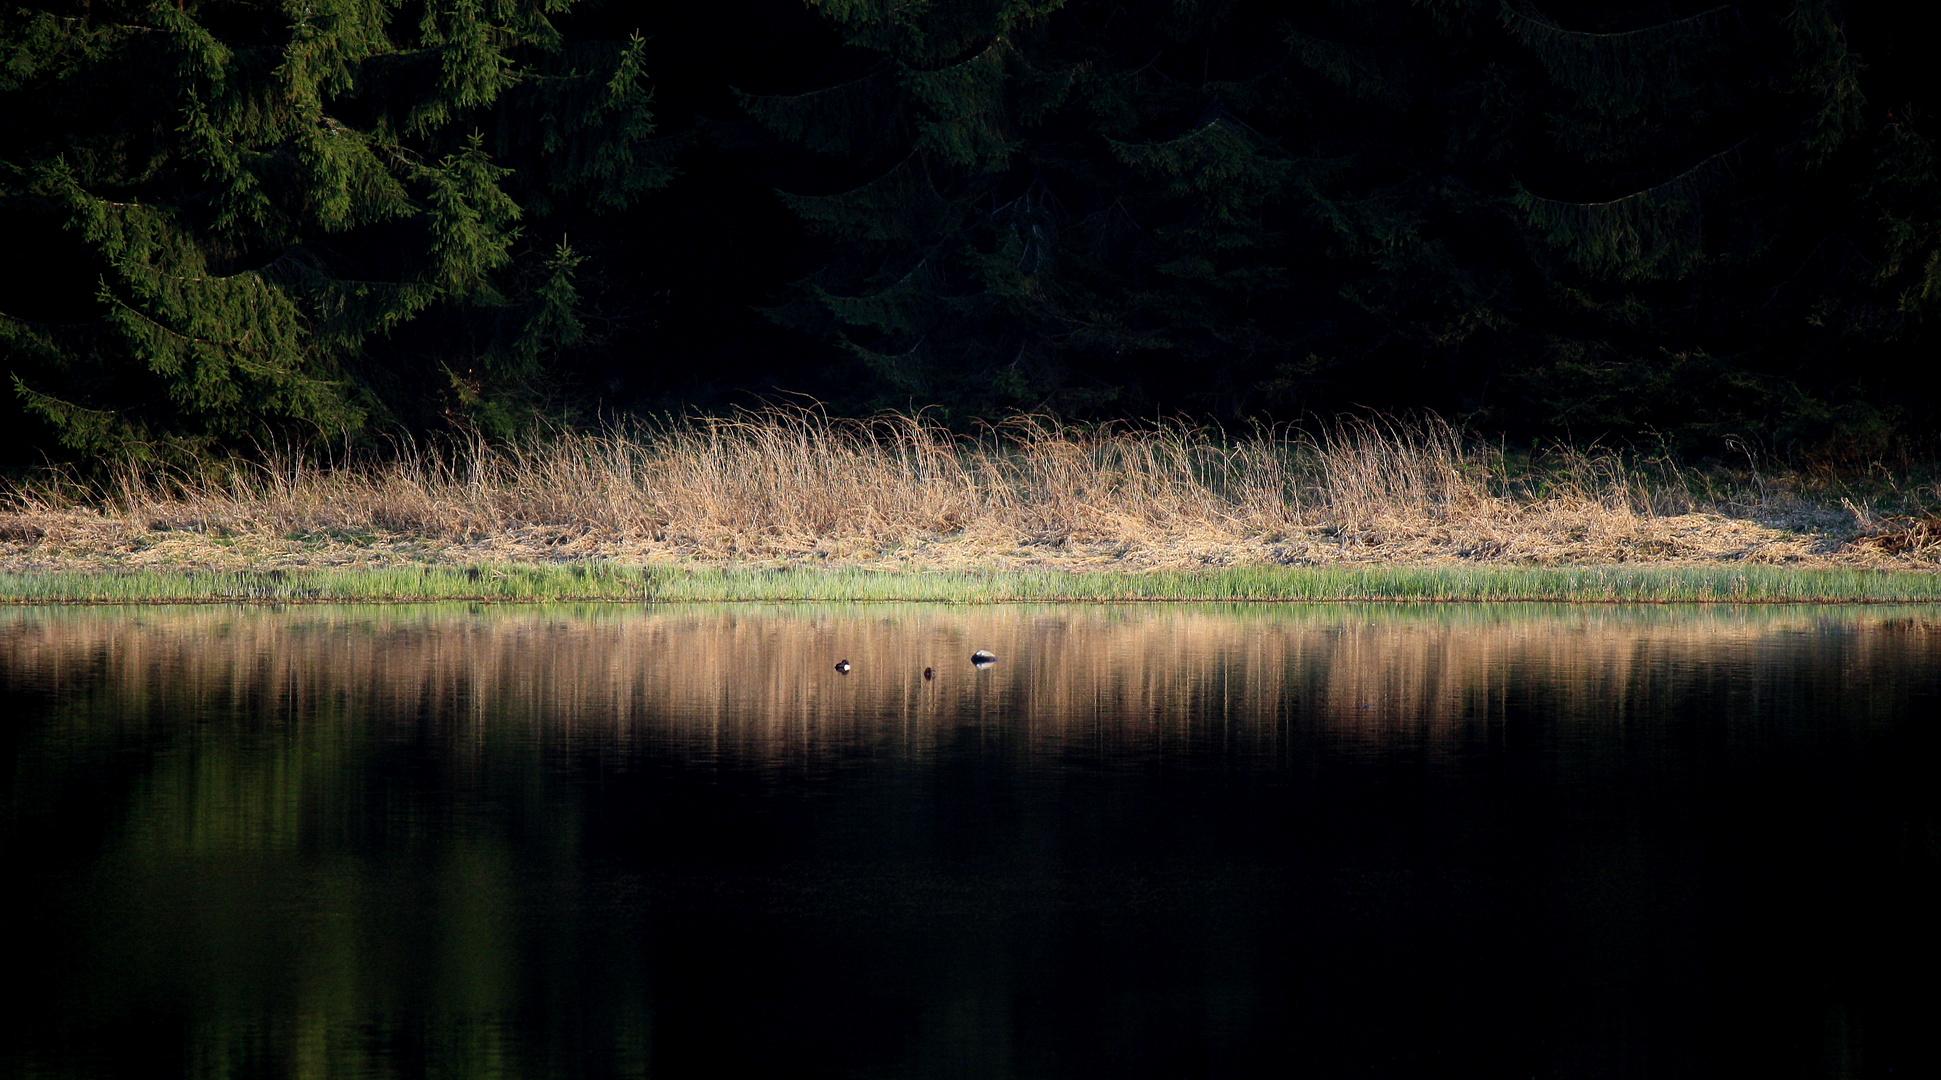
(602, 581)
(795, 484)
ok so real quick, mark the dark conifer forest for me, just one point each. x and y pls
(233, 223)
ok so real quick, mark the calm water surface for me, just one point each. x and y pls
(1149, 841)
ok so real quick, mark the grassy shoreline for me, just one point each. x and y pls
(619, 583)
(793, 505)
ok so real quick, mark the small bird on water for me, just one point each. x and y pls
(842, 666)
(981, 658)
(929, 673)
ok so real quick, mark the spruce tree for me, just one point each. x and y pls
(1622, 217)
(1697, 158)
(915, 288)
(1090, 205)
(298, 217)
(1031, 225)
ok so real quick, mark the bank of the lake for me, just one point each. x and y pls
(791, 505)
(593, 580)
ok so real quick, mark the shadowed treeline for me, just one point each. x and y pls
(1712, 226)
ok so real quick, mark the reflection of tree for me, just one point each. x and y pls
(314, 880)
(333, 837)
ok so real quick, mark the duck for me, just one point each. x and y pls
(983, 658)
(842, 666)
(929, 673)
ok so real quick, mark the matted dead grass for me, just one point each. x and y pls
(788, 485)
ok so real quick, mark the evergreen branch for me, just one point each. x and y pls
(1206, 123)
(1131, 73)
(95, 430)
(854, 118)
(1613, 70)
(1343, 66)
(1643, 193)
(43, 400)
(1654, 233)
(8, 318)
(899, 205)
(1517, 14)
(955, 65)
(157, 324)
(874, 71)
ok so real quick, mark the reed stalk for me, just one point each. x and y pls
(794, 483)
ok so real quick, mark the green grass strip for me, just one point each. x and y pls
(600, 581)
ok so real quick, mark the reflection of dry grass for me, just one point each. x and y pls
(373, 791)
(794, 484)
(715, 683)
(269, 726)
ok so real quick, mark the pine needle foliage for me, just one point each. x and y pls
(1619, 69)
(1532, 212)
(1032, 221)
(282, 203)
(1654, 233)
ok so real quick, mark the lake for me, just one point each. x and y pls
(1150, 840)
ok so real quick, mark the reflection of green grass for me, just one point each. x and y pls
(612, 581)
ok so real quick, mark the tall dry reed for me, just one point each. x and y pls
(791, 480)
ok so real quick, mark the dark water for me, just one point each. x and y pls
(1150, 841)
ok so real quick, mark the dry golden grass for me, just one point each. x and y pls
(792, 484)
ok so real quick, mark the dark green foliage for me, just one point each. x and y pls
(1581, 214)
(1640, 218)
(1034, 222)
(940, 258)
(301, 216)
(1702, 176)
